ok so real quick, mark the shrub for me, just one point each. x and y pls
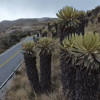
(46, 46)
(83, 53)
(30, 62)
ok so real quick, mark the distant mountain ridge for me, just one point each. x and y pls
(6, 24)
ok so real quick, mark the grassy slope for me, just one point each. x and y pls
(22, 24)
(93, 27)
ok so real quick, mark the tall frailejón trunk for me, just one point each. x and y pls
(45, 71)
(68, 78)
(99, 19)
(67, 72)
(66, 32)
(81, 26)
(87, 84)
(32, 73)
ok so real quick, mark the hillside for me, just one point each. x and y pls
(93, 20)
(22, 24)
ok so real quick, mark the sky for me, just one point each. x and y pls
(15, 9)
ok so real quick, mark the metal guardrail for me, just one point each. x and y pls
(3, 84)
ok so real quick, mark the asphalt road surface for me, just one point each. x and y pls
(10, 59)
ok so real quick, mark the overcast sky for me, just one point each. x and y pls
(15, 9)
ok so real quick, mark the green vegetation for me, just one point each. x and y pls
(37, 33)
(82, 53)
(49, 26)
(30, 62)
(46, 47)
(7, 41)
(28, 47)
(56, 25)
(85, 48)
(99, 17)
(68, 20)
(54, 32)
(69, 66)
(44, 32)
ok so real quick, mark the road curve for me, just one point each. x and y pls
(10, 59)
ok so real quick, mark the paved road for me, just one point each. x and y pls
(10, 59)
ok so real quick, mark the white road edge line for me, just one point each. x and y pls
(10, 75)
(17, 66)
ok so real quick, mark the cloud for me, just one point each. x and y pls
(14, 9)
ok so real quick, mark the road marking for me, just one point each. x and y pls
(10, 58)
